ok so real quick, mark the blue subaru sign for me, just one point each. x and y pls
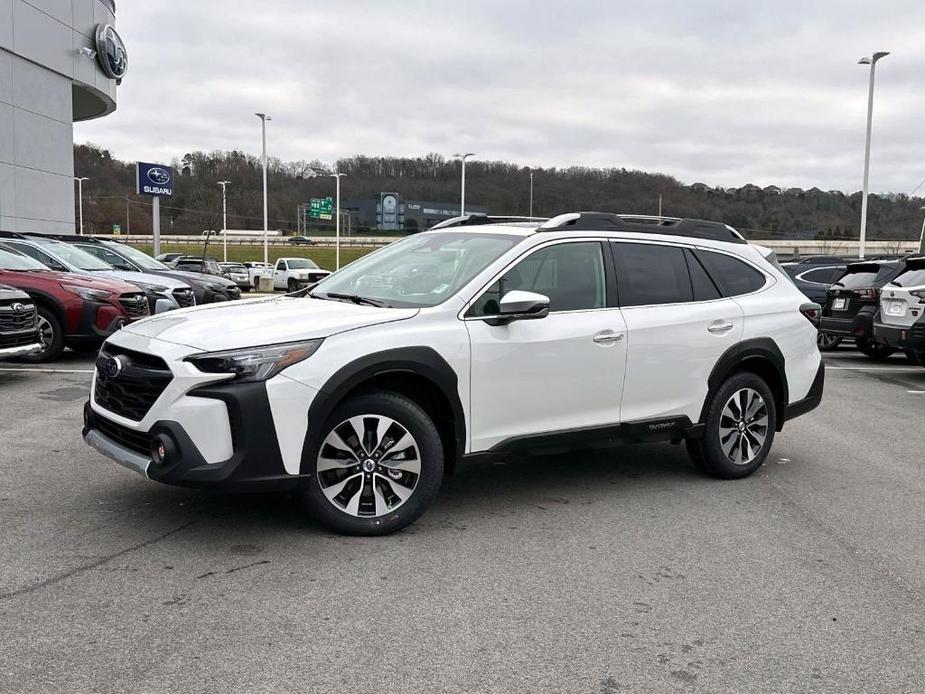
(154, 179)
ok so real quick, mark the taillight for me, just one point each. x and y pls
(812, 312)
(918, 293)
(870, 294)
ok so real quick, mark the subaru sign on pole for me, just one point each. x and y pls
(155, 180)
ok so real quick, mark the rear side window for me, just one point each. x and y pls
(732, 275)
(823, 275)
(703, 286)
(651, 274)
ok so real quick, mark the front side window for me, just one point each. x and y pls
(733, 276)
(140, 259)
(19, 263)
(281, 265)
(421, 270)
(74, 257)
(649, 274)
(570, 274)
(40, 256)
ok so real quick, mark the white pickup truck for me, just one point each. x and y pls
(292, 274)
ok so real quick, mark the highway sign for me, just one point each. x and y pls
(321, 208)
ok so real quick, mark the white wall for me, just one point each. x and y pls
(40, 69)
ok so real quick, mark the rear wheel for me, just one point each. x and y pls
(873, 349)
(740, 425)
(827, 342)
(378, 466)
(51, 335)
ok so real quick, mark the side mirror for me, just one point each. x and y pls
(520, 305)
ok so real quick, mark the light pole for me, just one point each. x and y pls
(224, 184)
(80, 200)
(462, 193)
(337, 177)
(922, 235)
(531, 194)
(872, 61)
(263, 129)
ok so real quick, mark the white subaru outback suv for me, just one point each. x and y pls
(465, 342)
(901, 321)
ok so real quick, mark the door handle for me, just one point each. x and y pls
(720, 326)
(607, 338)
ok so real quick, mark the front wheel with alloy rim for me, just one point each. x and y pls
(377, 467)
(740, 425)
(51, 336)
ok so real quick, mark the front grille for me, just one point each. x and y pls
(135, 305)
(137, 441)
(184, 297)
(133, 390)
(12, 320)
(316, 276)
(19, 340)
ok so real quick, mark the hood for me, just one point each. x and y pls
(94, 282)
(7, 292)
(204, 277)
(145, 278)
(255, 322)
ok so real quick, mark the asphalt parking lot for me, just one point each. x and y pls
(624, 571)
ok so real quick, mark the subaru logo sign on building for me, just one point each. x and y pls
(111, 53)
(154, 179)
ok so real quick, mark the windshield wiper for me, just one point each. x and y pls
(355, 298)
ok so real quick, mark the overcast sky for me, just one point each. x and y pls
(721, 92)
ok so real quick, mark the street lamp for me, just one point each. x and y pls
(462, 194)
(224, 184)
(263, 129)
(531, 194)
(337, 177)
(80, 200)
(922, 235)
(872, 61)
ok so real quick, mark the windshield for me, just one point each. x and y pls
(14, 261)
(301, 264)
(140, 259)
(421, 270)
(73, 256)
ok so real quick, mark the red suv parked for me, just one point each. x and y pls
(73, 310)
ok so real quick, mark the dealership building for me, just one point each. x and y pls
(391, 212)
(60, 62)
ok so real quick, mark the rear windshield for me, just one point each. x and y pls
(911, 278)
(866, 276)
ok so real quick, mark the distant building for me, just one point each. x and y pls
(699, 187)
(772, 190)
(391, 212)
(794, 191)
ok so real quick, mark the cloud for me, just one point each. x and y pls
(721, 92)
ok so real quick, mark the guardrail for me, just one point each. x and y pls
(218, 242)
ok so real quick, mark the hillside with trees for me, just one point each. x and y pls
(109, 195)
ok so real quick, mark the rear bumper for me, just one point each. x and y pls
(861, 325)
(810, 402)
(911, 337)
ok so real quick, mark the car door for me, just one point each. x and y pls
(279, 275)
(678, 324)
(554, 374)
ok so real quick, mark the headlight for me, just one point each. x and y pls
(255, 363)
(87, 293)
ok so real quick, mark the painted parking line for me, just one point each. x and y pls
(49, 371)
(887, 369)
(916, 392)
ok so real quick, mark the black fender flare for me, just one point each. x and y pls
(763, 348)
(421, 361)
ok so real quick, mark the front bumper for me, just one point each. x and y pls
(20, 350)
(255, 464)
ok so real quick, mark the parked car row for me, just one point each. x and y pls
(80, 290)
(879, 303)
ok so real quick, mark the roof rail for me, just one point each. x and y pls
(11, 235)
(643, 224)
(479, 219)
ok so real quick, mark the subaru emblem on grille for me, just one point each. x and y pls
(19, 308)
(112, 366)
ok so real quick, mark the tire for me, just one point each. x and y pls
(87, 348)
(913, 357)
(827, 343)
(352, 492)
(51, 333)
(873, 349)
(292, 286)
(721, 452)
